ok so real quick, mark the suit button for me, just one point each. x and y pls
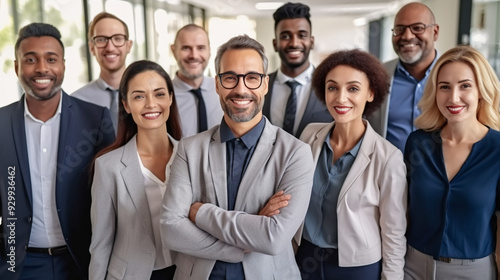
(29, 219)
(25, 247)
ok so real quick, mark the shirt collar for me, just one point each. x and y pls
(28, 113)
(402, 70)
(249, 139)
(103, 85)
(354, 151)
(303, 78)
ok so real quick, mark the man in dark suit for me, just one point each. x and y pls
(48, 142)
(290, 101)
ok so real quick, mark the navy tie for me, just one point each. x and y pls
(291, 107)
(202, 111)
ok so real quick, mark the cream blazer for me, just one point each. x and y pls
(371, 208)
(123, 243)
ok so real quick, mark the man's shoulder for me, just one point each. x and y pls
(87, 91)
(390, 66)
(84, 105)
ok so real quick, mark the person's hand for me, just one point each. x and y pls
(275, 203)
(194, 210)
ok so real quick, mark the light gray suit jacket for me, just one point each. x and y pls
(371, 208)
(262, 244)
(378, 120)
(123, 243)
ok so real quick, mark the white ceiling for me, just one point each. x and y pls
(318, 7)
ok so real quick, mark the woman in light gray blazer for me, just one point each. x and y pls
(130, 179)
(355, 224)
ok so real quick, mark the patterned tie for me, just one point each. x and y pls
(202, 111)
(291, 107)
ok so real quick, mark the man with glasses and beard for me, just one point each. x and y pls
(194, 92)
(239, 191)
(291, 103)
(413, 35)
(108, 41)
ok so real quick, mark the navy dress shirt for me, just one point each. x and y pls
(456, 218)
(239, 151)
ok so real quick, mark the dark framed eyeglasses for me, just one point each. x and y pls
(118, 40)
(230, 80)
(416, 28)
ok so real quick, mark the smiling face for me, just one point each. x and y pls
(414, 49)
(241, 104)
(457, 94)
(192, 51)
(110, 58)
(293, 43)
(346, 92)
(40, 67)
(148, 101)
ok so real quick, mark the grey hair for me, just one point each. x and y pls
(237, 43)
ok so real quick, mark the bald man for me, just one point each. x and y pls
(195, 94)
(414, 33)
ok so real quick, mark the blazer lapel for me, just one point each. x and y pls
(260, 155)
(134, 183)
(361, 162)
(64, 134)
(217, 161)
(19, 134)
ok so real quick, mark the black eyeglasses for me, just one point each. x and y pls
(229, 80)
(118, 40)
(416, 28)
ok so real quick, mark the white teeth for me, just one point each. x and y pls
(342, 109)
(151, 115)
(241, 102)
(111, 55)
(42, 81)
(409, 45)
(294, 53)
(455, 109)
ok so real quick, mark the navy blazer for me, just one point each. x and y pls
(84, 130)
(316, 110)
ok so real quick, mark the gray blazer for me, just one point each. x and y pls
(123, 243)
(371, 208)
(262, 244)
(316, 110)
(378, 120)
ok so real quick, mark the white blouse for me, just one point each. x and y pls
(155, 189)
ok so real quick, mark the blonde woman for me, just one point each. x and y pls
(454, 171)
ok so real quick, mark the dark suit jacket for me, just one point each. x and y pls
(85, 129)
(316, 110)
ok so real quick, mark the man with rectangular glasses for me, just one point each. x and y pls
(239, 191)
(108, 41)
(413, 36)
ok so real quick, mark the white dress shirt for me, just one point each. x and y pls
(42, 140)
(281, 92)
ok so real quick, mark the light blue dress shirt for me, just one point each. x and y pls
(320, 225)
(406, 92)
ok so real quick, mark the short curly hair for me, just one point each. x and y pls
(365, 62)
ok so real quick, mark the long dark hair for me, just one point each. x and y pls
(127, 128)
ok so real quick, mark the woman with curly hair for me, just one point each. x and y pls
(355, 224)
